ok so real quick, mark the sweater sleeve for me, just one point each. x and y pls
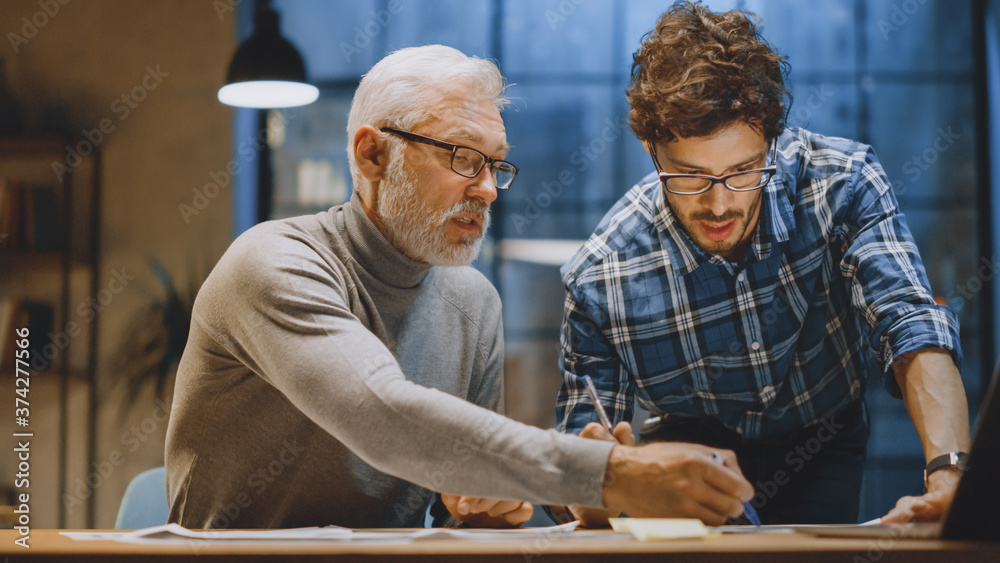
(278, 307)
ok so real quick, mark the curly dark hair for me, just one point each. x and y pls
(697, 72)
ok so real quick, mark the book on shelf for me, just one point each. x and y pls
(10, 215)
(29, 217)
(37, 317)
(7, 331)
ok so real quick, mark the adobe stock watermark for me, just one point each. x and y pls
(967, 291)
(737, 351)
(224, 7)
(122, 107)
(30, 27)
(562, 12)
(816, 100)
(796, 460)
(899, 14)
(87, 311)
(220, 180)
(541, 544)
(581, 160)
(918, 164)
(366, 33)
(878, 546)
(130, 441)
(417, 498)
(463, 449)
(258, 482)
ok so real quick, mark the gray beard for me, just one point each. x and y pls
(418, 231)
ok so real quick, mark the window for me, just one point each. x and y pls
(897, 74)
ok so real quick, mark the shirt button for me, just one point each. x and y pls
(740, 277)
(755, 346)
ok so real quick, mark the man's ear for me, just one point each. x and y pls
(369, 153)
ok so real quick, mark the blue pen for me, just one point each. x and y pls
(748, 509)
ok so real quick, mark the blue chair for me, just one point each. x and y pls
(145, 501)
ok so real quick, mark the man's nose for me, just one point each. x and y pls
(718, 199)
(484, 187)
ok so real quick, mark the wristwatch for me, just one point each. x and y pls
(950, 459)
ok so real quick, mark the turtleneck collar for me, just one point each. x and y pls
(375, 253)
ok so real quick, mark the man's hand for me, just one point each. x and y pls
(931, 506)
(488, 513)
(675, 480)
(596, 517)
(935, 399)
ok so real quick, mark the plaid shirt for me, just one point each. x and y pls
(831, 286)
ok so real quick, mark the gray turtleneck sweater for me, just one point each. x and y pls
(329, 379)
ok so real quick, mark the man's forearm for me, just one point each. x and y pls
(935, 399)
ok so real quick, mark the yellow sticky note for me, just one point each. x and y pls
(651, 529)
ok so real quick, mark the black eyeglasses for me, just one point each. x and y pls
(694, 184)
(466, 161)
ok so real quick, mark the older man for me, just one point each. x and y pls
(336, 373)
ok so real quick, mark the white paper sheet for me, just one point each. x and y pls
(174, 533)
(168, 532)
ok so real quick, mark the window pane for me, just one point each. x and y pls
(924, 135)
(462, 24)
(559, 37)
(919, 36)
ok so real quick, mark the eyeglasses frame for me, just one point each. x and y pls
(770, 170)
(487, 161)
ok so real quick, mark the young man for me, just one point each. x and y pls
(744, 290)
(337, 373)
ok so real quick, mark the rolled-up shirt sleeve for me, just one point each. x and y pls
(887, 281)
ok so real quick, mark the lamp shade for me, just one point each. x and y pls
(267, 71)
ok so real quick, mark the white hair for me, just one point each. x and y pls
(400, 89)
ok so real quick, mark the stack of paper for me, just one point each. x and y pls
(650, 529)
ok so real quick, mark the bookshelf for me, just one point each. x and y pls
(49, 271)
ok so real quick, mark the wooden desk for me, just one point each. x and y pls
(49, 545)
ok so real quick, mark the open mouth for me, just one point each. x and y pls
(467, 223)
(718, 232)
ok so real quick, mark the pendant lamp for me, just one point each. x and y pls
(267, 71)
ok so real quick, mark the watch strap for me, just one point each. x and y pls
(950, 459)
